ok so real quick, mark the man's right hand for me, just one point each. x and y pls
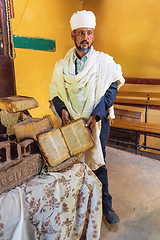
(66, 118)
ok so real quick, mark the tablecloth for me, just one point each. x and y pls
(62, 205)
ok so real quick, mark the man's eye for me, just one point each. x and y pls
(81, 33)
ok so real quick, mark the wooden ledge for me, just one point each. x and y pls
(138, 94)
(145, 81)
(136, 126)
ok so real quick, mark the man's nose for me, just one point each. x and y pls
(85, 35)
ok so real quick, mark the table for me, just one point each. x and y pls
(59, 206)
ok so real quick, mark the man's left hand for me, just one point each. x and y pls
(92, 122)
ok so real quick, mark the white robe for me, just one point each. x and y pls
(82, 92)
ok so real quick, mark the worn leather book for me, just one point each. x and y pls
(60, 144)
(20, 172)
(29, 128)
(17, 103)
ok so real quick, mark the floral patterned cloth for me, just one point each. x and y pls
(59, 206)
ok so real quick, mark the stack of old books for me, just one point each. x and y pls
(18, 161)
(57, 148)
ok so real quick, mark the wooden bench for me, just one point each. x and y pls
(138, 99)
(124, 135)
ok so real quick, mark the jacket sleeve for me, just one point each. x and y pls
(102, 108)
(59, 105)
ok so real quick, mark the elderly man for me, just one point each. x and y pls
(84, 85)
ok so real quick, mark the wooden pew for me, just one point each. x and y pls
(138, 99)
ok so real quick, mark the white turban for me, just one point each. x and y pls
(82, 19)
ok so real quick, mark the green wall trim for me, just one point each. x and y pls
(41, 44)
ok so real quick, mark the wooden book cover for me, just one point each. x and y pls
(77, 137)
(53, 147)
(62, 143)
(62, 166)
(29, 128)
(17, 103)
(20, 172)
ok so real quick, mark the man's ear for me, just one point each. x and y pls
(73, 35)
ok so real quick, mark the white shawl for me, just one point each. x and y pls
(82, 92)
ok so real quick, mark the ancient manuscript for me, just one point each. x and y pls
(77, 137)
(29, 128)
(53, 147)
(17, 103)
(62, 143)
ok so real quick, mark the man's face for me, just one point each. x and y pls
(83, 38)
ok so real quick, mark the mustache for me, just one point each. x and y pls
(84, 41)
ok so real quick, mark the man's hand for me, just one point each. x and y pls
(92, 121)
(65, 117)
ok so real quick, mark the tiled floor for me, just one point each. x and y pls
(134, 183)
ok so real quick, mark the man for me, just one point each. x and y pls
(84, 85)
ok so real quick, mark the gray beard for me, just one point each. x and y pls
(83, 50)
